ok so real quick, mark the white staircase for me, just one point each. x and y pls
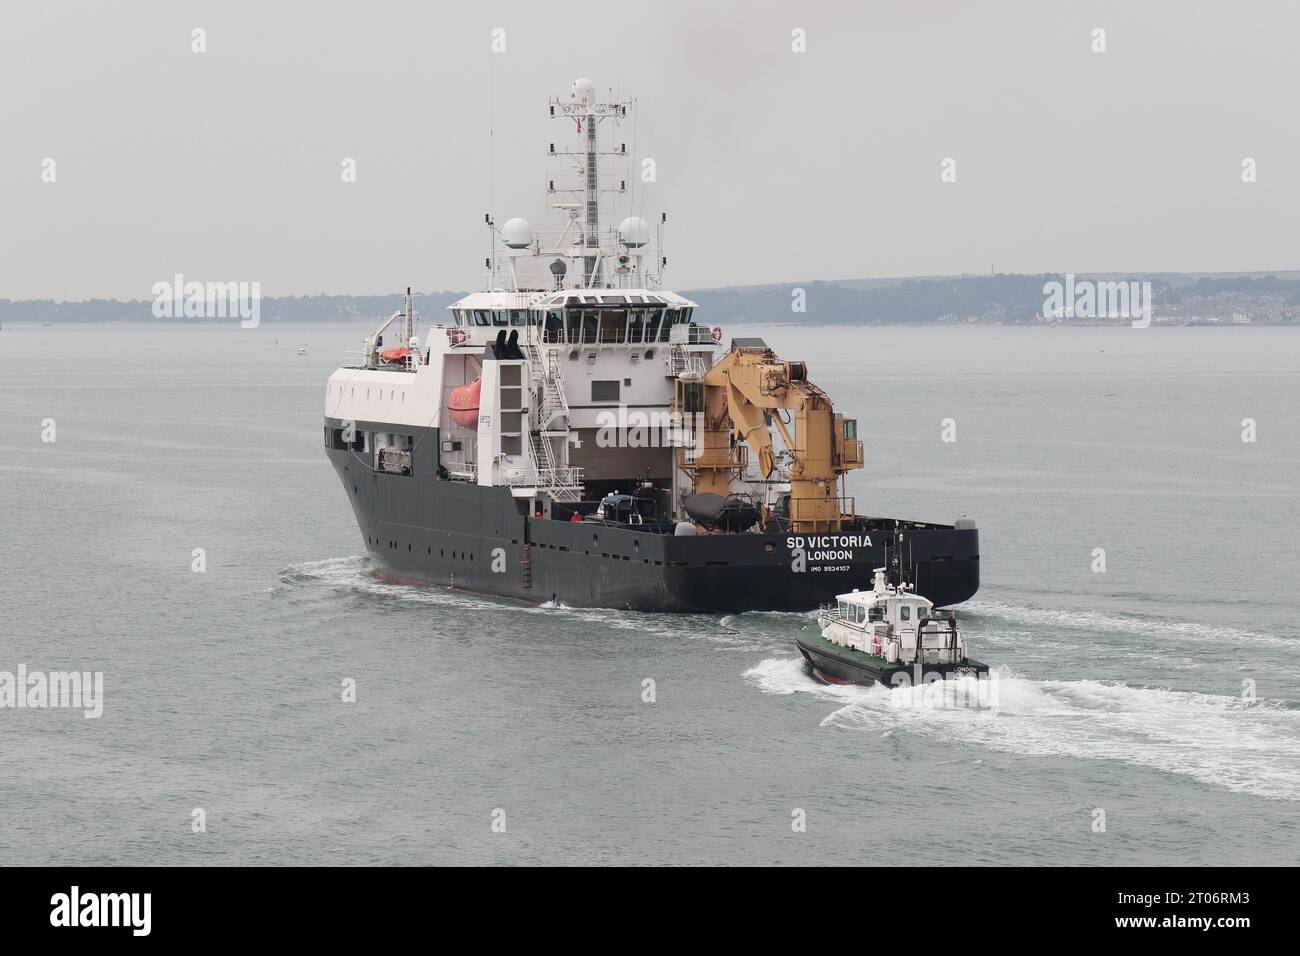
(550, 417)
(680, 363)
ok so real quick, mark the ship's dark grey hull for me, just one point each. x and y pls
(422, 529)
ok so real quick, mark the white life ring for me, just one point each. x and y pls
(717, 334)
(457, 336)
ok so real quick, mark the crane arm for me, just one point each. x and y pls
(739, 394)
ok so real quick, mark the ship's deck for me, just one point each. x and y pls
(849, 653)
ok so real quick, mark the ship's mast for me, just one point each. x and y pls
(592, 237)
(586, 253)
(588, 239)
(410, 319)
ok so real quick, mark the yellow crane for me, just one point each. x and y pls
(729, 410)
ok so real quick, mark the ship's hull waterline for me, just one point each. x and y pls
(421, 529)
(840, 665)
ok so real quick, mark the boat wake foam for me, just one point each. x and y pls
(758, 630)
(1059, 619)
(1244, 746)
(354, 575)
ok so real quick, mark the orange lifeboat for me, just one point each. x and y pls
(394, 356)
(463, 404)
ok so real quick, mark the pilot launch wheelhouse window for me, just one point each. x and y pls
(604, 391)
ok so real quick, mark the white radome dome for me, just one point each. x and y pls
(583, 91)
(633, 232)
(517, 233)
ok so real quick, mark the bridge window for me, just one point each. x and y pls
(613, 325)
(652, 320)
(604, 391)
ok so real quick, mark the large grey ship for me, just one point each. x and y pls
(574, 433)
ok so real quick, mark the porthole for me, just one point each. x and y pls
(769, 546)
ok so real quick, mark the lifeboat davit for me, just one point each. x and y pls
(463, 404)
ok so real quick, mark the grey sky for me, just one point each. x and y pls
(772, 165)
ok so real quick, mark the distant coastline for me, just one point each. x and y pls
(1185, 299)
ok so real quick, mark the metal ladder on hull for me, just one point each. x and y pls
(550, 407)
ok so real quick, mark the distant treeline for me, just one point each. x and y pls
(999, 298)
(1004, 298)
(300, 308)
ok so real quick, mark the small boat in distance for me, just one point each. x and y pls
(888, 635)
(302, 350)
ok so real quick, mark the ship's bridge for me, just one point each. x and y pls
(582, 317)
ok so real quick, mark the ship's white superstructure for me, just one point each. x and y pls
(572, 348)
(565, 434)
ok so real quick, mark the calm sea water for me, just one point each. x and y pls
(1120, 691)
